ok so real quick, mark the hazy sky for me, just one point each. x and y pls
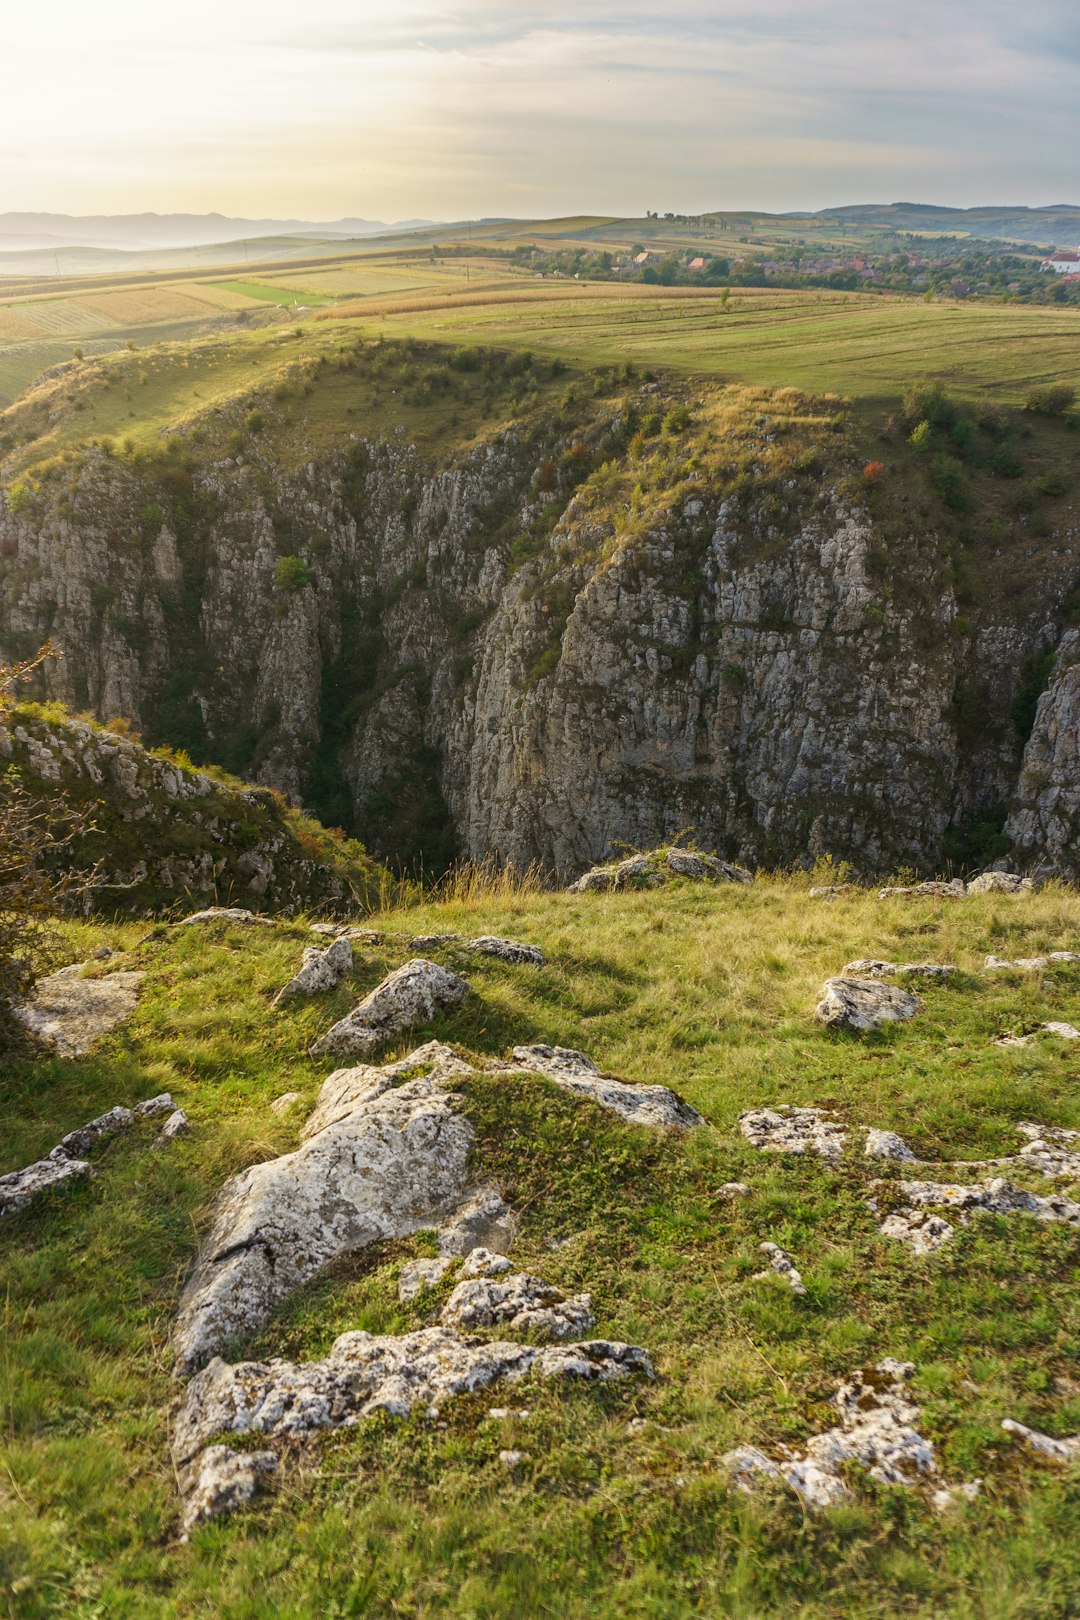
(350, 107)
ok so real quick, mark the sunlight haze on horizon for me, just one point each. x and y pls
(398, 111)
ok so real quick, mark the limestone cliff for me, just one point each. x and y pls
(568, 632)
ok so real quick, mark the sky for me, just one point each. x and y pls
(389, 111)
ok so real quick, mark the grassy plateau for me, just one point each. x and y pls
(710, 991)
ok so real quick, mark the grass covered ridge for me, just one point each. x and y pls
(708, 990)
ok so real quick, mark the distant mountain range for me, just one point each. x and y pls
(135, 233)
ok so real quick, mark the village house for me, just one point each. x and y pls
(696, 264)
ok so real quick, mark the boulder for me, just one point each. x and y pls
(110, 1124)
(887, 1145)
(176, 1125)
(782, 1265)
(321, 971)
(1029, 964)
(406, 998)
(660, 866)
(68, 1012)
(19, 1188)
(863, 1004)
(417, 1276)
(1065, 1450)
(227, 914)
(954, 889)
(219, 1480)
(484, 1220)
(924, 1231)
(871, 968)
(999, 883)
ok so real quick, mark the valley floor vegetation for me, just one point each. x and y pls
(620, 1505)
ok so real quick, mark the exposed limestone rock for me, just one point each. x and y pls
(395, 1165)
(229, 914)
(69, 1013)
(282, 1105)
(1000, 883)
(417, 1276)
(955, 889)
(830, 891)
(887, 1145)
(507, 950)
(520, 1302)
(1065, 1032)
(786, 1129)
(176, 1125)
(783, 1265)
(321, 971)
(406, 998)
(431, 942)
(1051, 1149)
(512, 1459)
(647, 871)
(19, 1188)
(1045, 820)
(344, 1091)
(1030, 964)
(876, 1430)
(733, 1189)
(1065, 1451)
(482, 1263)
(153, 1106)
(950, 1497)
(219, 1480)
(362, 1375)
(920, 1230)
(350, 931)
(483, 1221)
(923, 1233)
(110, 1124)
(868, 968)
(863, 1004)
(639, 1105)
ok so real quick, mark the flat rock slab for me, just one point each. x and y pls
(406, 998)
(955, 889)
(69, 1013)
(871, 968)
(1030, 964)
(786, 1129)
(1000, 883)
(639, 1105)
(863, 1004)
(322, 970)
(20, 1188)
(923, 1228)
(507, 950)
(227, 914)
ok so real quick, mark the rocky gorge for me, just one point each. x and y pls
(575, 630)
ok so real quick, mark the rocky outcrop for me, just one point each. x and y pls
(863, 1004)
(786, 1129)
(658, 867)
(20, 1188)
(1045, 823)
(406, 999)
(639, 1105)
(319, 972)
(546, 670)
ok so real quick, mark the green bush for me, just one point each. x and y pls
(1052, 399)
(18, 499)
(291, 574)
(922, 436)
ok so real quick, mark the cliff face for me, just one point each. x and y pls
(558, 639)
(1045, 821)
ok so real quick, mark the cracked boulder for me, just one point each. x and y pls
(863, 1004)
(406, 998)
(507, 950)
(638, 1105)
(322, 970)
(20, 1188)
(1000, 883)
(219, 1480)
(786, 1129)
(69, 1013)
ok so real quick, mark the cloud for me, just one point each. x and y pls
(364, 107)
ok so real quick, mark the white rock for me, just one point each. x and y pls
(871, 968)
(887, 1145)
(783, 1265)
(406, 998)
(923, 1232)
(640, 1105)
(417, 1276)
(786, 1129)
(281, 1105)
(999, 883)
(19, 1188)
(876, 1429)
(733, 1189)
(219, 1480)
(484, 1220)
(1051, 1150)
(321, 971)
(1064, 1451)
(1065, 1032)
(522, 1303)
(1029, 964)
(176, 1125)
(347, 1090)
(482, 1263)
(920, 1230)
(511, 1459)
(955, 889)
(950, 1497)
(231, 914)
(106, 1125)
(364, 1374)
(68, 1013)
(507, 950)
(153, 1106)
(863, 1004)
